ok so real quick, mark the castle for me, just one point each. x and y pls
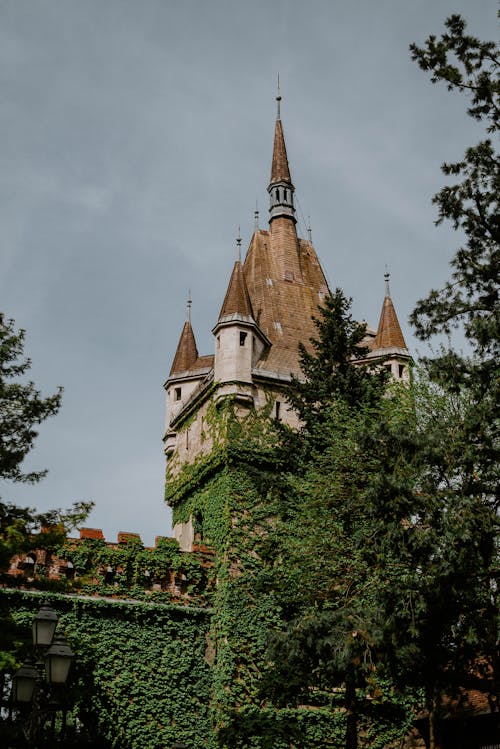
(267, 311)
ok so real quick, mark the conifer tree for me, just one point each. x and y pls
(22, 409)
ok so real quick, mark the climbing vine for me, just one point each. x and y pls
(140, 678)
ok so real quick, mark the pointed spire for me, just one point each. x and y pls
(237, 299)
(280, 171)
(187, 352)
(389, 334)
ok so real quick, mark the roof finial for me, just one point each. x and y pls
(188, 306)
(238, 242)
(278, 99)
(387, 276)
(309, 230)
(256, 216)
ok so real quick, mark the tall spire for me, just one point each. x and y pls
(281, 187)
(389, 334)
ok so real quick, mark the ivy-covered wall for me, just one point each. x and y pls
(234, 497)
(140, 678)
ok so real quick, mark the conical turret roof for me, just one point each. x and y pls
(237, 300)
(389, 334)
(186, 353)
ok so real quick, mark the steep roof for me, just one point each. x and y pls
(280, 171)
(186, 353)
(237, 300)
(283, 305)
(389, 334)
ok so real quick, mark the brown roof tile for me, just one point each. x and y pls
(186, 353)
(389, 333)
(283, 305)
(237, 300)
(280, 171)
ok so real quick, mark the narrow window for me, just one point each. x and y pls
(285, 196)
(277, 409)
(177, 394)
(242, 338)
(278, 194)
(218, 341)
(70, 570)
(401, 371)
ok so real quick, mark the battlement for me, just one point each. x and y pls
(123, 568)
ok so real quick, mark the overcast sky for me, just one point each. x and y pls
(136, 135)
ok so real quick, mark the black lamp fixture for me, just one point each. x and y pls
(37, 685)
(24, 681)
(58, 660)
(44, 626)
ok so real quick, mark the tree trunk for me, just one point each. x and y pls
(434, 732)
(351, 733)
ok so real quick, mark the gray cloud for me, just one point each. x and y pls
(136, 137)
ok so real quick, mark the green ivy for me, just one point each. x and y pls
(140, 678)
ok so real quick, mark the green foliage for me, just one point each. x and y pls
(331, 371)
(21, 406)
(135, 569)
(455, 539)
(470, 298)
(140, 680)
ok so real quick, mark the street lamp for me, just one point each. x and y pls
(31, 692)
(44, 626)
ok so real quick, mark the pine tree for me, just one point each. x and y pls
(22, 409)
(332, 371)
(470, 299)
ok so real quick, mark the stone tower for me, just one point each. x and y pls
(267, 310)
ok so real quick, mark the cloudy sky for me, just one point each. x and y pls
(136, 135)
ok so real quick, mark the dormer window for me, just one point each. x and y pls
(243, 337)
(177, 394)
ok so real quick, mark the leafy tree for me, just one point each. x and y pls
(332, 370)
(470, 298)
(436, 576)
(333, 633)
(456, 529)
(22, 408)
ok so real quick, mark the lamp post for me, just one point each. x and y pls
(37, 685)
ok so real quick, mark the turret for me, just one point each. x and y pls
(239, 342)
(187, 371)
(389, 343)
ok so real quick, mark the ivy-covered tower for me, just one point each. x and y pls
(268, 308)
(222, 478)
